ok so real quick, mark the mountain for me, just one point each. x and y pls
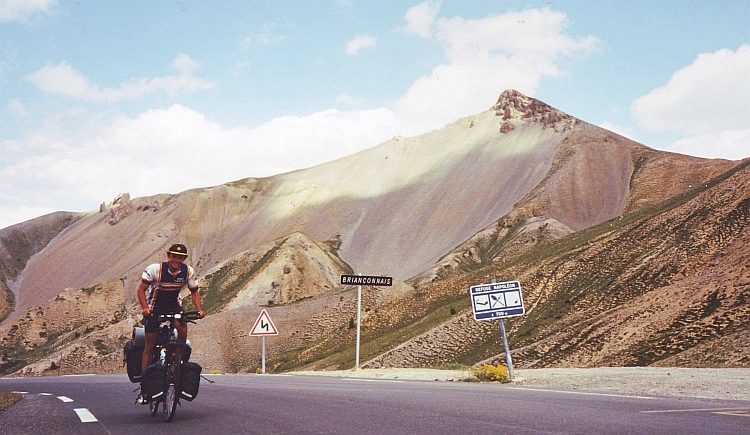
(522, 191)
(663, 285)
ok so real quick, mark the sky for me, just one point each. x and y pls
(99, 98)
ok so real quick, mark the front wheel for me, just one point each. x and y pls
(170, 401)
(172, 397)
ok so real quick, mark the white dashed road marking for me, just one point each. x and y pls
(85, 415)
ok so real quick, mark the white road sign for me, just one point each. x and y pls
(497, 300)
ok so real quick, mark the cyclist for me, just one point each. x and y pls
(159, 293)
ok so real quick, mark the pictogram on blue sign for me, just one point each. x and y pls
(497, 300)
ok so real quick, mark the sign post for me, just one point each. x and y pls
(498, 301)
(263, 326)
(359, 281)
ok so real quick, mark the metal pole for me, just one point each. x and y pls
(505, 344)
(507, 350)
(263, 356)
(359, 309)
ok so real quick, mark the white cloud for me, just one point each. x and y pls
(486, 56)
(271, 38)
(708, 101)
(349, 100)
(419, 18)
(64, 80)
(359, 42)
(268, 35)
(622, 131)
(12, 215)
(17, 108)
(727, 144)
(239, 68)
(173, 149)
(22, 9)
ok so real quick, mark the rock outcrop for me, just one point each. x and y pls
(513, 108)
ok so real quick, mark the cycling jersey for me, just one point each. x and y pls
(163, 292)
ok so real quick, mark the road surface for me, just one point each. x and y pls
(280, 404)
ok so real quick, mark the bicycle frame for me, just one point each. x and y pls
(168, 351)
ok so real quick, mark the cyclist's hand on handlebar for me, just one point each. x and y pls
(201, 314)
(146, 312)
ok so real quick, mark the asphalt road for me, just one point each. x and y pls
(278, 404)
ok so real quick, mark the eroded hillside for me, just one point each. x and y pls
(19, 243)
(655, 287)
(626, 255)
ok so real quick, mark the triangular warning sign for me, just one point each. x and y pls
(264, 325)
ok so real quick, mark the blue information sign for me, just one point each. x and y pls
(497, 300)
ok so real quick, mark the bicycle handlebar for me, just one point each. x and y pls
(191, 315)
(188, 316)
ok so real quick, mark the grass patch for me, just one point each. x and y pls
(8, 398)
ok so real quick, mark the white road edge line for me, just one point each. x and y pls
(65, 399)
(373, 380)
(583, 393)
(85, 415)
(716, 410)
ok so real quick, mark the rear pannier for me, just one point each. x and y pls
(134, 354)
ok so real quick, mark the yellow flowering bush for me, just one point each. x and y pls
(490, 373)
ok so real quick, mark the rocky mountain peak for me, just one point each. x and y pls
(514, 106)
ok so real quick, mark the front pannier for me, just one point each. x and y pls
(152, 383)
(191, 379)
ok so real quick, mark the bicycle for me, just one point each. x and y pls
(169, 354)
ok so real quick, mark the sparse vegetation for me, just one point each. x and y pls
(224, 284)
(8, 398)
(580, 290)
(101, 347)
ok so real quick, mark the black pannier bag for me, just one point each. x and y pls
(152, 383)
(133, 361)
(191, 379)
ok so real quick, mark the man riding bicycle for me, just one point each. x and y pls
(159, 293)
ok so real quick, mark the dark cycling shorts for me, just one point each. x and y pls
(151, 323)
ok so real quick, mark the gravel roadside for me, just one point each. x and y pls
(727, 384)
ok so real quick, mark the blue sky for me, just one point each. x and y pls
(147, 97)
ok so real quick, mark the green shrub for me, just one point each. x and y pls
(490, 373)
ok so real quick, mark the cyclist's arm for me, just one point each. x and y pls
(141, 292)
(195, 295)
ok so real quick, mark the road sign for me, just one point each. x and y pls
(497, 300)
(366, 280)
(264, 325)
